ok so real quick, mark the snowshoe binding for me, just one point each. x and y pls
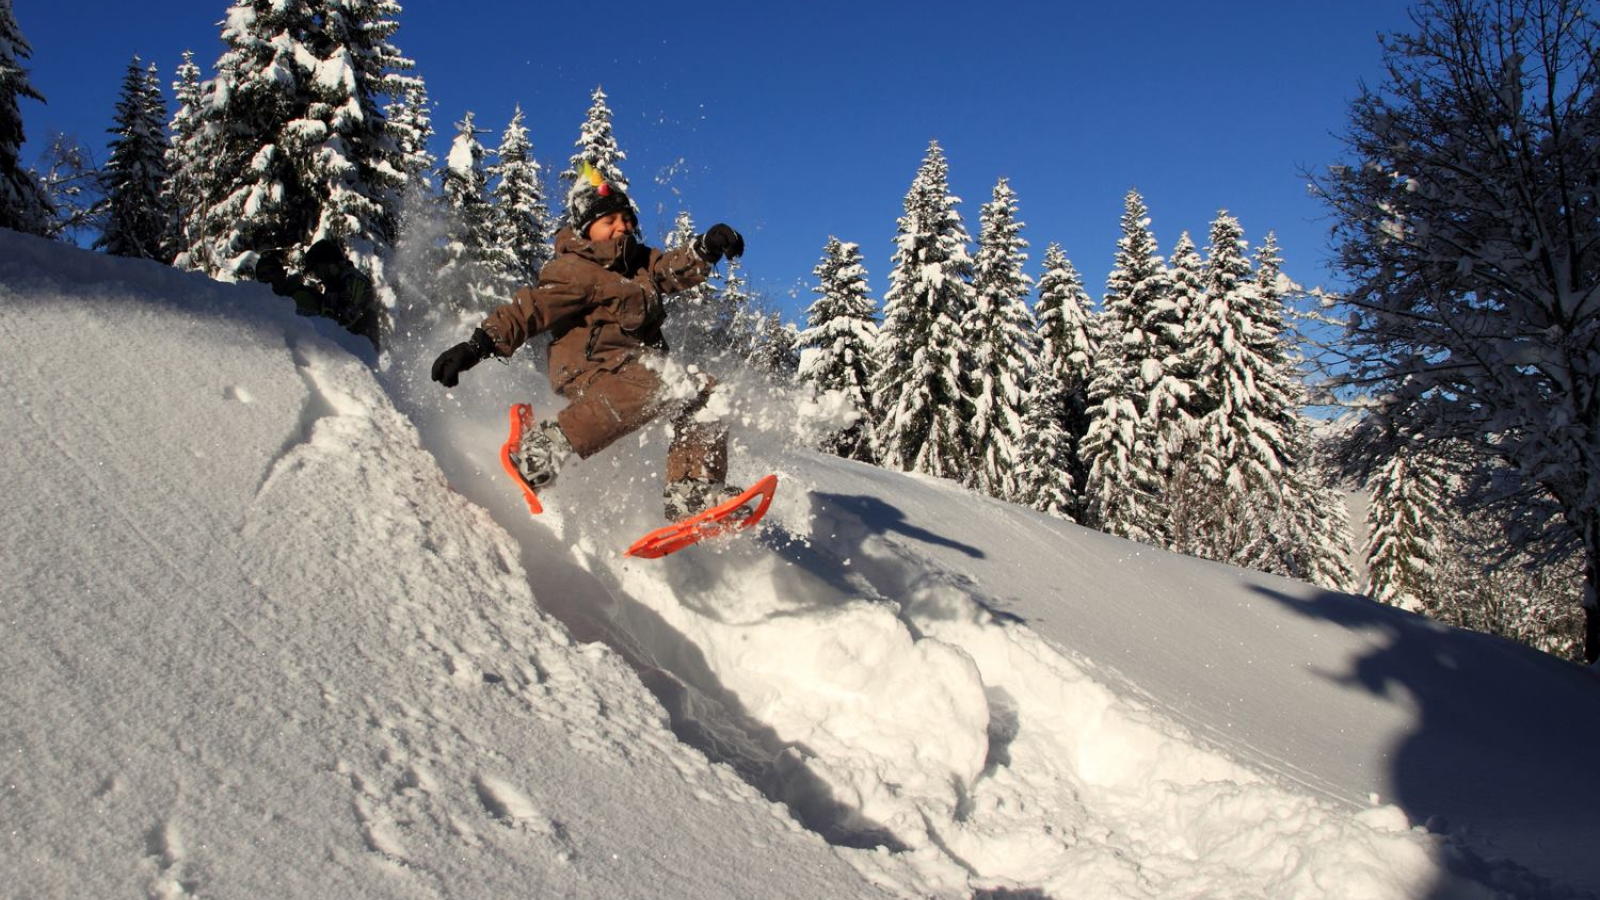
(533, 453)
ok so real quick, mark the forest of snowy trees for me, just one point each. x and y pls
(1171, 411)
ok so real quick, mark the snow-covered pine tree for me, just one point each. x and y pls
(774, 349)
(411, 125)
(1122, 494)
(296, 146)
(522, 219)
(1245, 455)
(737, 325)
(1315, 543)
(1053, 472)
(1187, 490)
(1176, 398)
(138, 217)
(1044, 479)
(597, 146)
(920, 354)
(184, 192)
(696, 326)
(1312, 543)
(474, 270)
(23, 204)
(375, 70)
(1313, 540)
(999, 334)
(1404, 542)
(836, 348)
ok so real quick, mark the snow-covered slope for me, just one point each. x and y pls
(275, 627)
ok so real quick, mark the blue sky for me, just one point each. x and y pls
(796, 121)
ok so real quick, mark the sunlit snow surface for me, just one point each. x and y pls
(276, 626)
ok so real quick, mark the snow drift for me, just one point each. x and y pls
(275, 626)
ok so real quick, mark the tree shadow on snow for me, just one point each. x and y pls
(1482, 748)
(837, 553)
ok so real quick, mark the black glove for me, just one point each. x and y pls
(720, 241)
(448, 367)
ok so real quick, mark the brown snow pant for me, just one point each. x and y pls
(606, 405)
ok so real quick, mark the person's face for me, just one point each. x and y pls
(610, 226)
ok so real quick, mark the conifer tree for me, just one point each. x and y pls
(1124, 488)
(1404, 544)
(184, 192)
(522, 219)
(836, 348)
(774, 349)
(1252, 496)
(474, 268)
(697, 328)
(23, 203)
(597, 146)
(737, 324)
(999, 335)
(1059, 413)
(1044, 479)
(1270, 287)
(920, 354)
(411, 127)
(138, 217)
(294, 145)
(1177, 399)
(1243, 450)
(1313, 540)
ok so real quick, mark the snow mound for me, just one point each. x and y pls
(278, 625)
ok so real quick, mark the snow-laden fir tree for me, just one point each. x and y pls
(411, 127)
(1233, 492)
(1429, 552)
(183, 190)
(1176, 399)
(1519, 595)
(475, 268)
(294, 146)
(597, 146)
(999, 334)
(23, 204)
(1273, 286)
(737, 324)
(1314, 541)
(138, 219)
(696, 326)
(1123, 489)
(920, 353)
(1052, 470)
(836, 348)
(1404, 518)
(774, 347)
(1044, 479)
(522, 222)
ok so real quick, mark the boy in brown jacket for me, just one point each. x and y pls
(601, 300)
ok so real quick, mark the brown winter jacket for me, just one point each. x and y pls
(601, 302)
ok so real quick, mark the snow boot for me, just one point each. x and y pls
(543, 450)
(690, 497)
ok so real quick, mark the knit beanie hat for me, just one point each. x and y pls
(591, 198)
